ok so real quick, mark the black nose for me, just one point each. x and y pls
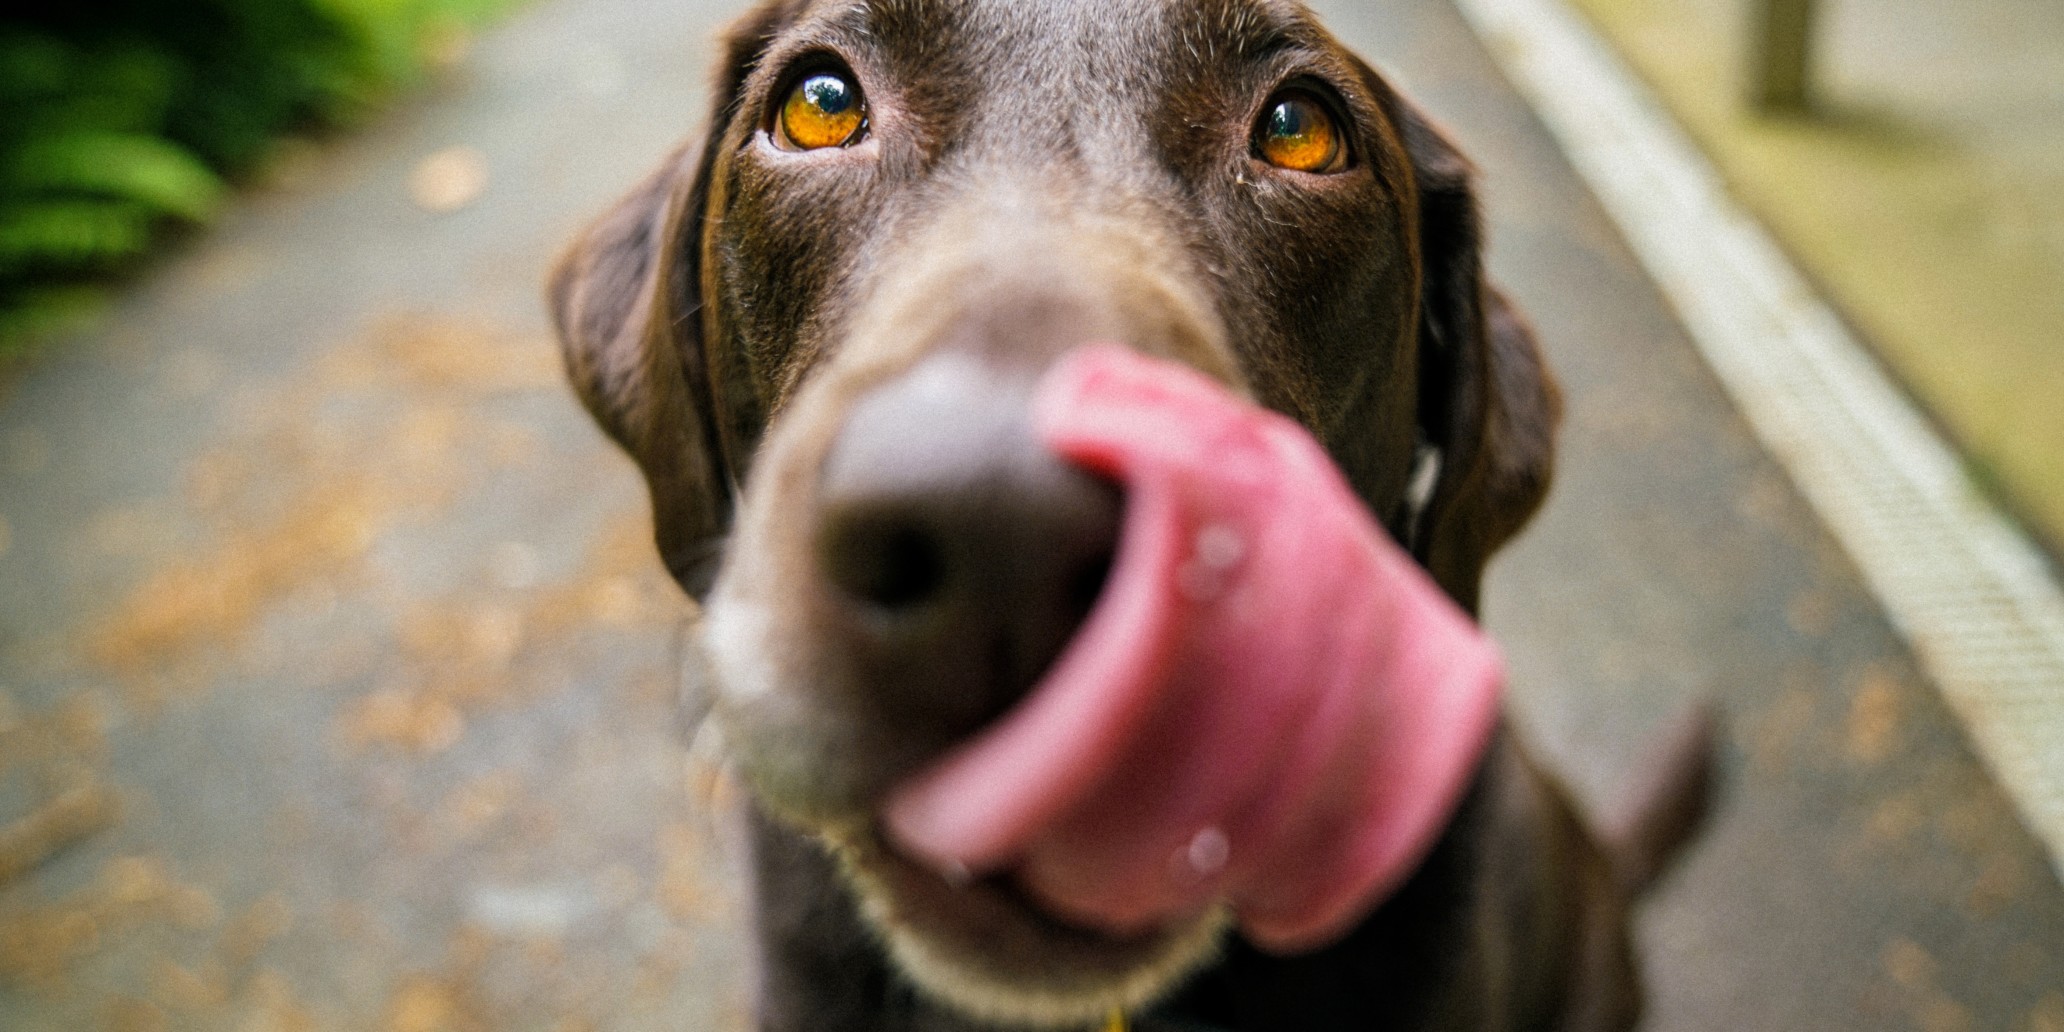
(963, 554)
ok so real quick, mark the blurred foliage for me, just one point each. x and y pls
(122, 119)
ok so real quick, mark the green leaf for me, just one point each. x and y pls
(123, 166)
(66, 235)
(144, 169)
(31, 315)
(32, 66)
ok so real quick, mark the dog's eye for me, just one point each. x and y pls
(1298, 133)
(824, 109)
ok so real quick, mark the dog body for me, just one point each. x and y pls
(1513, 923)
(820, 355)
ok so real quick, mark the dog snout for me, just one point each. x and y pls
(962, 554)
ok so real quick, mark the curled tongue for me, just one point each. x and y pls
(1271, 705)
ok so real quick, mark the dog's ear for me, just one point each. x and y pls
(627, 298)
(1488, 407)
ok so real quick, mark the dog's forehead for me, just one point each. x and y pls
(1035, 42)
(1086, 82)
(1229, 16)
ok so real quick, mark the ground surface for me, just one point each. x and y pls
(312, 566)
(1926, 193)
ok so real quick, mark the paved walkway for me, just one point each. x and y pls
(318, 592)
(1926, 196)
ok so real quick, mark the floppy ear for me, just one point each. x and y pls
(627, 298)
(1488, 407)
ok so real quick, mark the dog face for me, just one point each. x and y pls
(904, 211)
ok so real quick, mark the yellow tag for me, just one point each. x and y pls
(1117, 1022)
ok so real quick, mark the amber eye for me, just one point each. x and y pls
(1298, 133)
(824, 109)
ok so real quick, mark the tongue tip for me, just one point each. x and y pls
(927, 829)
(978, 806)
(955, 821)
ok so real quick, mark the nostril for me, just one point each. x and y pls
(1086, 585)
(892, 563)
(956, 556)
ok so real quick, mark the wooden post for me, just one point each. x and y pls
(1781, 62)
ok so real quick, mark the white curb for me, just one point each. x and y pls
(1970, 593)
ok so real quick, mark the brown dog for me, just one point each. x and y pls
(817, 334)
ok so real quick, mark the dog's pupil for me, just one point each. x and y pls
(1290, 121)
(829, 94)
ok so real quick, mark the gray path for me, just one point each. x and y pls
(312, 562)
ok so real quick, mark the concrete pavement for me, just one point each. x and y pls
(1925, 194)
(314, 564)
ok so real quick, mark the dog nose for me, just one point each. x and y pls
(963, 553)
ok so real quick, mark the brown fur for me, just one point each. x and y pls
(1042, 175)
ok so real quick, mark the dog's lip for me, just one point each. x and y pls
(1002, 886)
(987, 947)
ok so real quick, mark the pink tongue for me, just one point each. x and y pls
(1271, 705)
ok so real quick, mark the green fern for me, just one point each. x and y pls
(145, 170)
(32, 314)
(51, 236)
(124, 116)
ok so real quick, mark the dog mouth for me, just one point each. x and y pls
(988, 948)
(1270, 710)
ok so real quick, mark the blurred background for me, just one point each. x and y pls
(338, 674)
(128, 121)
(1910, 155)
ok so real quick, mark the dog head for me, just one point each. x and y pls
(817, 333)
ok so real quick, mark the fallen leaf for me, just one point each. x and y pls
(449, 180)
(79, 812)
